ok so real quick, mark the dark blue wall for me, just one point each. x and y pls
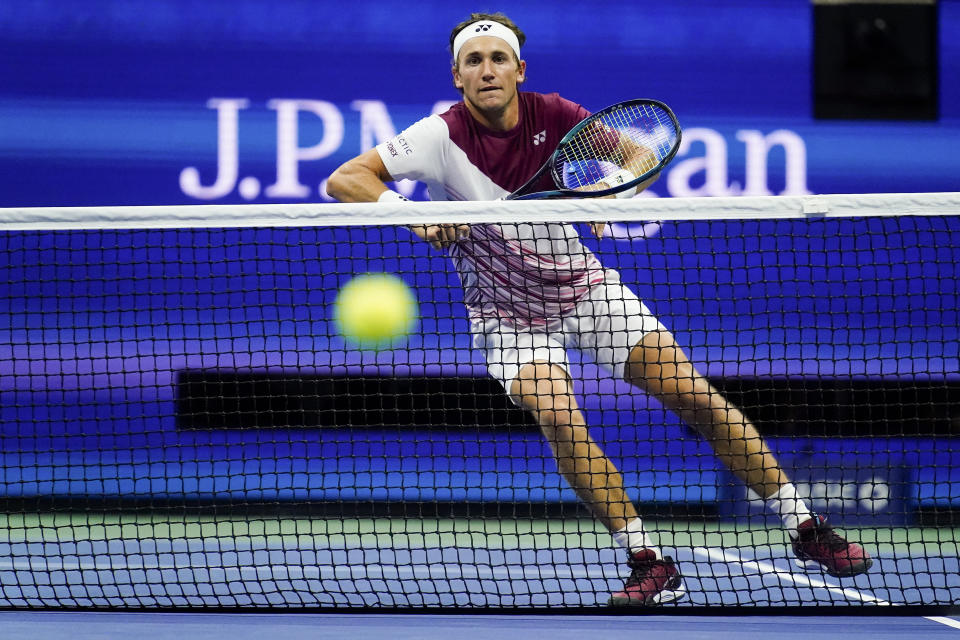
(105, 101)
(108, 102)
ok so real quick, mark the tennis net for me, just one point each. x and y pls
(183, 425)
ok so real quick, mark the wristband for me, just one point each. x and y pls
(620, 178)
(392, 196)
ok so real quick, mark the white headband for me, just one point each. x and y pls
(485, 28)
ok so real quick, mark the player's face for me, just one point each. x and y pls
(488, 73)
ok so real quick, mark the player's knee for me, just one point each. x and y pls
(551, 411)
(556, 417)
(546, 391)
(564, 435)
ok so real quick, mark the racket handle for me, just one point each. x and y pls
(620, 177)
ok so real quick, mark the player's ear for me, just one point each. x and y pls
(457, 82)
(521, 72)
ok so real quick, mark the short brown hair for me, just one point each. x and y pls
(496, 17)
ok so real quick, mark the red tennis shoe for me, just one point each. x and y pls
(652, 581)
(818, 546)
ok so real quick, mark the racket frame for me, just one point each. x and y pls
(562, 192)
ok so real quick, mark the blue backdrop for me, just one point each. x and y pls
(113, 101)
(128, 101)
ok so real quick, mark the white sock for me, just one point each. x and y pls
(633, 538)
(790, 507)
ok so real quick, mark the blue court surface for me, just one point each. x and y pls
(474, 563)
(212, 626)
(463, 564)
(224, 573)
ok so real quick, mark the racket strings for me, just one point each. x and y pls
(635, 138)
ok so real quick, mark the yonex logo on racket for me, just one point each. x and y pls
(540, 137)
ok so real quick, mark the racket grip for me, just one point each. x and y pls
(619, 178)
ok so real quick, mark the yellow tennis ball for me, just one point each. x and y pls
(374, 310)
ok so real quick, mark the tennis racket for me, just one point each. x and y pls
(610, 152)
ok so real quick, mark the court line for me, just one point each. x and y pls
(950, 622)
(727, 556)
(847, 592)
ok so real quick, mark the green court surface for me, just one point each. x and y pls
(432, 532)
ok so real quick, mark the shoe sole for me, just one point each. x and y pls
(664, 597)
(852, 570)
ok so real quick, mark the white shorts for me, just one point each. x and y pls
(605, 325)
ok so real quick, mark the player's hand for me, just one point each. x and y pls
(441, 236)
(597, 229)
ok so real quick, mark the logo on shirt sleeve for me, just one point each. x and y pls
(540, 137)
(399, 145)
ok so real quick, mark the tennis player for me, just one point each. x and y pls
(533, 290)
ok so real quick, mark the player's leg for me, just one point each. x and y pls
(532, 367)
(546, 391)
(657, 365)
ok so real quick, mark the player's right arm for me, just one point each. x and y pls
(364, 178)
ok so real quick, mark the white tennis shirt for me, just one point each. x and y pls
(526, 274)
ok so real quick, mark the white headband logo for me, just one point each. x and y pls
(485, 28)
